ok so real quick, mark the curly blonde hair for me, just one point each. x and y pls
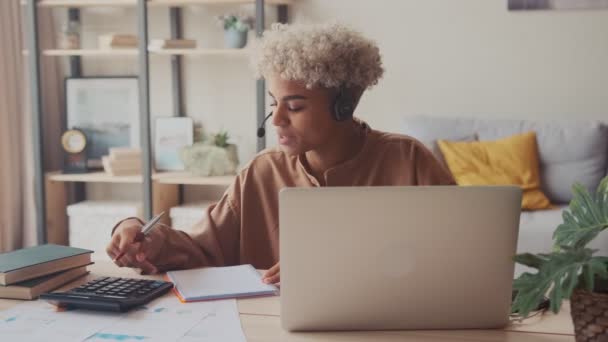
(327, 55)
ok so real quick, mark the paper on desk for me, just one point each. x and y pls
(219, 282)
(165, 319)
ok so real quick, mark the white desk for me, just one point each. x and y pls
(260, 319)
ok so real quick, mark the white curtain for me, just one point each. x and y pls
(17, 208)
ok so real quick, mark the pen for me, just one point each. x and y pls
(145, 230)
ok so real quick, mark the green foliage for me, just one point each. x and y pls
(221, 139)
(571, 264)
(586, 218)
(236, 22)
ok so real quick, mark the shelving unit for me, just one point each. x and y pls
(93, 177)
(201, 52)
(90, 52)
(160, 190)
(176, 178)
(152, 3)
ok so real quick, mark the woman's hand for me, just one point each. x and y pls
(273, 275)
(136, 254)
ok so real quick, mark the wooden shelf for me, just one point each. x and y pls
(94, 177)
(186, 178)
(132, 3)
(86, 3)
(201, 52)
(175, 178)
(90, 52)
(134, 52)
(213, 2)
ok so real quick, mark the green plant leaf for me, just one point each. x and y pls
(557, 273)
(529, 259)
(571, 264)
(585, 218)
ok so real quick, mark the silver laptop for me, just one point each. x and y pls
(380, 258)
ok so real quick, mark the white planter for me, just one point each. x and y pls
(235, 39)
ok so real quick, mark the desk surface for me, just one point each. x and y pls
(260, 319)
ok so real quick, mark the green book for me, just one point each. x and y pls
(31, 289)
(33, 262)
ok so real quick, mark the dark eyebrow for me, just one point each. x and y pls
(290, 97)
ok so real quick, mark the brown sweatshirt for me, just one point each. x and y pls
(243, 226)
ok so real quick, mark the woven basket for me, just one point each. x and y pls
(590, 316)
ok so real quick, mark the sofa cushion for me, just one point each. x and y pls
(512, 160)
(570, 151)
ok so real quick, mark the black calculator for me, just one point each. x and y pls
(110, 294)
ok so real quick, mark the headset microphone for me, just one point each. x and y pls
(261, 129)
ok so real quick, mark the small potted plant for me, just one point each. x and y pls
(572, 270)
(212, 157)
(236, 28)
(221, 139)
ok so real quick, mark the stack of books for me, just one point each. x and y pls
(122, 161)
(159, 44)
(26, 273)
(117, 41)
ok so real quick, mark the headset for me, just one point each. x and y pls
(344, 105)
(342, 109)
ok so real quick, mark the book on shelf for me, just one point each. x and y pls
(32, 288)
(121, 168)
(124, 153)
(117, 41)
(159, 44)
(122, 164)
(33, 262)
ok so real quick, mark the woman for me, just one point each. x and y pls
(316, 76)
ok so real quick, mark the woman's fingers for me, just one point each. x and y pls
(272, 276)
(273, 279)
(271, 271)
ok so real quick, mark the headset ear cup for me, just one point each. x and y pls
(336, 110)
(343, 107)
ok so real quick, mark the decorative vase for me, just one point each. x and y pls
(589, 312)
(235, 39)
(232, 153)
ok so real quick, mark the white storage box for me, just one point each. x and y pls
(91, 223)
(184, 217)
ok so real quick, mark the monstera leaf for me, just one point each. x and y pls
(586, 217)
(571, 265)
(559, 273)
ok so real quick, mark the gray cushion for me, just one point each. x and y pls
(570, 151)
(429, 134)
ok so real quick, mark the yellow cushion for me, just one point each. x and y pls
(508, 161)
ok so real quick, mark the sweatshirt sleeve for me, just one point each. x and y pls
(215, 239)
(429, 171)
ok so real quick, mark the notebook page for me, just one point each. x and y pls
(218, 282)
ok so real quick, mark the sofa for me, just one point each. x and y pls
(569, 151)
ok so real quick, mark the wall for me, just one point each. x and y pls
(473, 57)
(443, 58)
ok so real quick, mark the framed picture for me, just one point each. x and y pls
(106, 109)
(515, 5)
(171, 134)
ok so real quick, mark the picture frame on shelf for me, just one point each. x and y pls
(106, 109)
(171, 134)
(518, 5)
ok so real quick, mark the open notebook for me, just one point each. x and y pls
(219, 283)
